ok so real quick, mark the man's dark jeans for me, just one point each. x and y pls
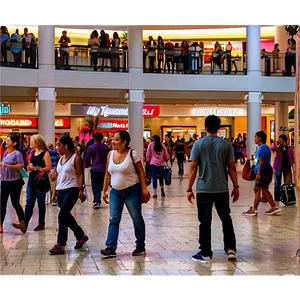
(205, 203)
(97, 179)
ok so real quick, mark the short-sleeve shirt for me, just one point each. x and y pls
(263, 152)
(212, 153)
(9, 174)
(123, 175)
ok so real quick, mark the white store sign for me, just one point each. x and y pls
(220, 111)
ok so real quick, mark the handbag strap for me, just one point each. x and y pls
(131, 155)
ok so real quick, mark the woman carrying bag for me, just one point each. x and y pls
(11, 179)
(40, 161)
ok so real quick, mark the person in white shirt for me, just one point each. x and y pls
(69, 185)
(125, 174)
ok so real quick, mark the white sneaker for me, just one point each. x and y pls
(273, 211)
(231, 254)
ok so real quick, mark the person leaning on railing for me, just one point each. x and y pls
(4, 39)
(64, 42)
(94, 43)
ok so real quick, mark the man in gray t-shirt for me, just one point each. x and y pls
(215, 159)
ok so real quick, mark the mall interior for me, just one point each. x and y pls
(57, 91)
(53, 88)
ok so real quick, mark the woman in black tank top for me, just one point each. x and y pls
(40, 159)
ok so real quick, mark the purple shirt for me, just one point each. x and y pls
(98, 153)
(277, 165)
(9, 174)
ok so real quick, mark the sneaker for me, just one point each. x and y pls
(273, 210)
(163, 193)
(39, 227)
(57, 249)
(96, 205)
(139, 250)
(108, 252)
(231, 254)
(200, 258)
(251, 212)
(80, 243)
(53, 202)
(154, 196)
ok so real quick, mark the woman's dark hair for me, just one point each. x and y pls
(262, 136)
(284, 137)
(65, 139)
(15, 138)
(157, 143)
(95, 33)
(124, 136)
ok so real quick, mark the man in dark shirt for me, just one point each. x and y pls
(96, 157)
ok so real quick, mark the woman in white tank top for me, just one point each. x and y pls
(125, 174)
(69, 185)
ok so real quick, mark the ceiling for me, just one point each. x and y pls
(66, 95)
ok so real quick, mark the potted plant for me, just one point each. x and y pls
(292, 30)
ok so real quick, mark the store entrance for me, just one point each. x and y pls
(176, 132)
(224, 132)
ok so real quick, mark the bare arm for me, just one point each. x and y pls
(17, 166)
(141, 173)
(79, 173)
(192, 173)
(107, 176)
(232, 172)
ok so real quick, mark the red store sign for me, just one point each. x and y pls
(60, 123)
(151, 111)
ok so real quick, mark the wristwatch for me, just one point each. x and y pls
(236, 186)
(82, 188)
(189, 190)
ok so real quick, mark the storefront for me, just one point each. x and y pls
(29, 125)
(105, 118)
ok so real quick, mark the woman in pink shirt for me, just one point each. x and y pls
(157, 155)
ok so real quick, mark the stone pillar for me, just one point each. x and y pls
(281, 119)
(135, 52)
(46, 117)
(253, 120)
(253, 50)
(136, 120)
(46, 90)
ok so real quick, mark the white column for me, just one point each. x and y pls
(46, 90)
(46, 115)
(253, 50)
(281, 118)
(253, 120)
(136, 120)
(281, 38)
(135, 52)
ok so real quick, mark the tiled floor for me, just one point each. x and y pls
(266, 244)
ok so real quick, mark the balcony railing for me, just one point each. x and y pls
(83, 58)
(19, 55)
(91, 59)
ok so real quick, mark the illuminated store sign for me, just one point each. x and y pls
(4, 109)
(60, 123)
(219, 111)
(113, 124)
(112, 111)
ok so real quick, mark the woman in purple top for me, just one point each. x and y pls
(11, 179)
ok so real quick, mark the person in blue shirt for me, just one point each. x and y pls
(264, 174)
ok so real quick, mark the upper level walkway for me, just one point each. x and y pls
(266, 244)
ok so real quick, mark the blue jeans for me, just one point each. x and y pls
(97, 179)
(287, 178)
(131, 197)
(205, 203)
(66, 199)
(31, 196)
(155, 170)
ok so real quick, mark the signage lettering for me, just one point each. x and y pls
(113, 125)
(32, 122)
(106, 111)
(217, 111)
(4, 109)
